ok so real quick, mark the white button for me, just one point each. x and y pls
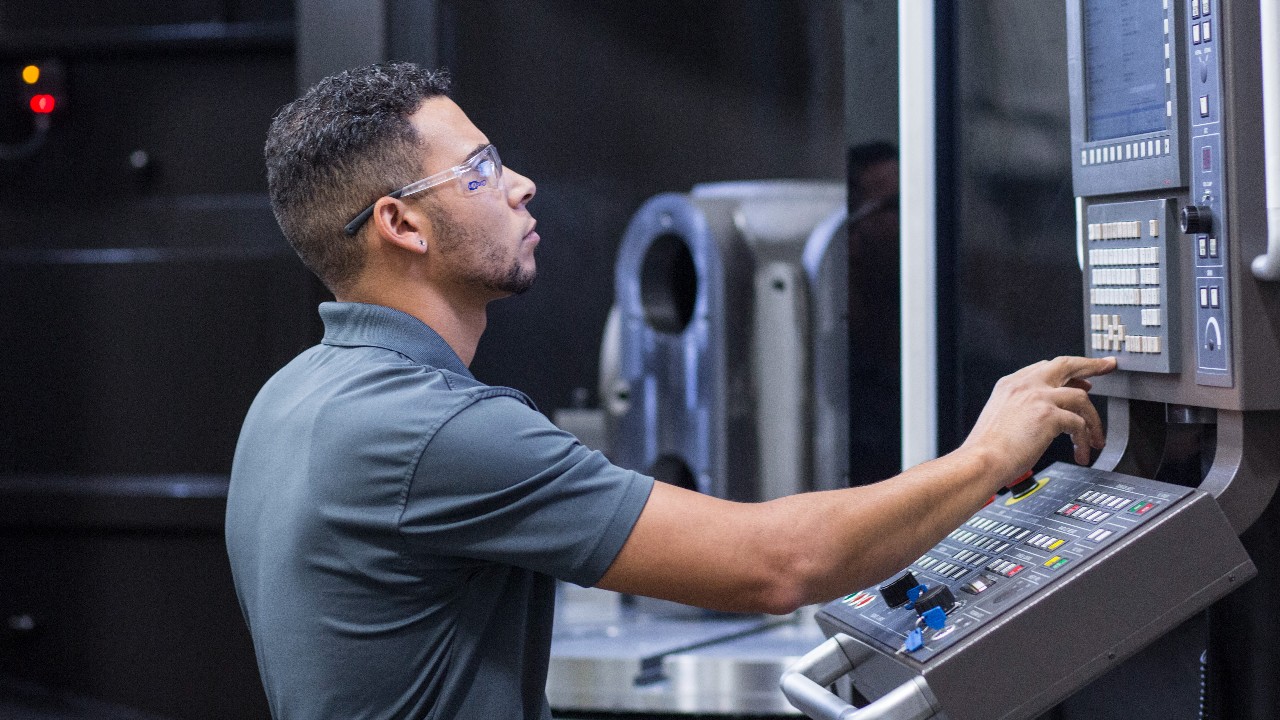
(1213, 247)
(1213, 296)
(1166, 146)
(1204, 297)
(1195, 33)
(1208, 30)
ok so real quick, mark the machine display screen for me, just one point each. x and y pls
(1124, 68)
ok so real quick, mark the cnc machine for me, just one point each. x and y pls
(1074, 569)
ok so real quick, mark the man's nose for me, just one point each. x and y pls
(520, 189)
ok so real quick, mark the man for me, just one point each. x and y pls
(395, 525)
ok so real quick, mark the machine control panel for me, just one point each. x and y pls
(1016, 546)
(1130, 280)
(1204, 218)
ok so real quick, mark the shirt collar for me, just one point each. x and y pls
(348, 324)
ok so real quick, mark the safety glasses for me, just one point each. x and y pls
(483, 171)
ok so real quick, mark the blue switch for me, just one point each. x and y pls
(935, 618)
(915, 640)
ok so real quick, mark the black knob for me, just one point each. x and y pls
(1195, 219)
(895, 593)
(938, 596)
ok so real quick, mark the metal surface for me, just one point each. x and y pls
(718, 354)
(1267, 266)
(804, 685)
(723, 369)
(916, 110)
(826, 266)
(612, 656)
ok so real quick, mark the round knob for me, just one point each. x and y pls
(938, 596)
(1195, 219)
(895, 593)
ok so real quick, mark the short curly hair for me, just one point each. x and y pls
(345, 143)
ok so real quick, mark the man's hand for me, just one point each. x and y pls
(1034, 405)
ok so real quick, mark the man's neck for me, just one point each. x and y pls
(459, 322)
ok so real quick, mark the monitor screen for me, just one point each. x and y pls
(1124, 68)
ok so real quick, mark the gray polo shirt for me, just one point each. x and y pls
(394, 528)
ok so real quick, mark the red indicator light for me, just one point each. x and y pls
(42, 103)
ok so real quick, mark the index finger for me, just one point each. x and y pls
(1070, 367)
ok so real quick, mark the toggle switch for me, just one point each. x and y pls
(914, 641)
(935, 618)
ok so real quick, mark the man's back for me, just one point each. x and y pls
(391, 559)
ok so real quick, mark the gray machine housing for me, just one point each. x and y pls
(731, 370)
(1230, 78)
(723, 369)
(1020, 665)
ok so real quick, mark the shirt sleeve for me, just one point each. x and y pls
(499, 482)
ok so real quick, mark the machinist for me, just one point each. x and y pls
(396, 527)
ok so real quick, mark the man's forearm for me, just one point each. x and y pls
(834, 542)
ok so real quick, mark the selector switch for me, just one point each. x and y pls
(895, 593)
(1025, 487)
(1195, 219)
(938, 596)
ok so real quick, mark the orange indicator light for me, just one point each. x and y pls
(31, 74)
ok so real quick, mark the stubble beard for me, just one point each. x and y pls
(460, 241)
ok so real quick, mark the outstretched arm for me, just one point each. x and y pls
(779, 555)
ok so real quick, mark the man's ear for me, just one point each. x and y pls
(396, 222)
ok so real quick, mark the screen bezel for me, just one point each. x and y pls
(1101, 167)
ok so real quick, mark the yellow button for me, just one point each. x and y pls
(1051, 560)
(1056, 544)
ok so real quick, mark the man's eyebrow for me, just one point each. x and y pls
(478, 149)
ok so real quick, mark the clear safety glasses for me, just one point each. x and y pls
(480, 173)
